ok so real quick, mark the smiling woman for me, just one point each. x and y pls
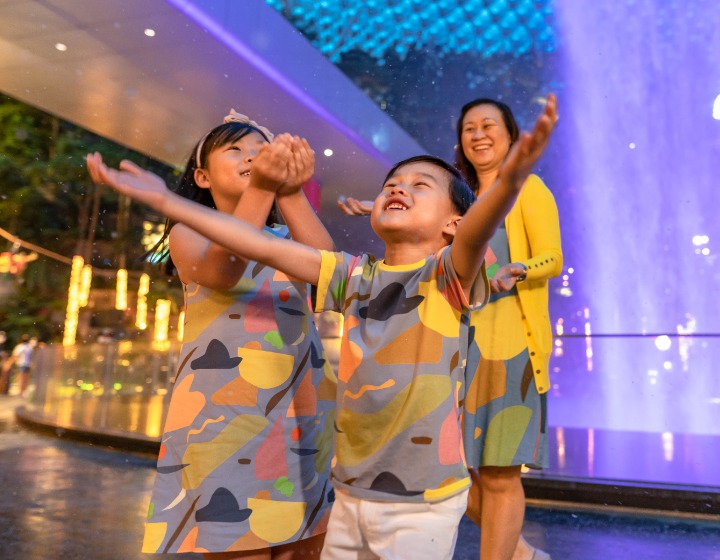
(507, 366)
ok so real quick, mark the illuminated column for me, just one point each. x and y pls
(181, 326)
(141, 315)
(85, 282)
(73, 305)
(121, 290)
(162, 322)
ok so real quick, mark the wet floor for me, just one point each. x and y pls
(68, 500)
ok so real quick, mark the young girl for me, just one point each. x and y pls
(244, 458)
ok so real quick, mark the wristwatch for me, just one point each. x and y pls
(523, 276)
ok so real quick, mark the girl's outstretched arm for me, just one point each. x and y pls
(292, 258)
(482, 219)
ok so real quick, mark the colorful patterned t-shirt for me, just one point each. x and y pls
(400, 378)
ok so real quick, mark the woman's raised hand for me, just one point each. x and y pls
(354, 207)
(130, 180)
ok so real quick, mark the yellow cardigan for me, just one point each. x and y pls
(533, 231)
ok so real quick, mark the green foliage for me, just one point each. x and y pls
(31, 313)
(48, 199)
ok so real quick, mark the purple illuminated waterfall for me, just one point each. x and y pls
(639, 191)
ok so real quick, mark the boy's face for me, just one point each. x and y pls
(415, 205)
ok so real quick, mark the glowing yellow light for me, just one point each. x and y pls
(181, 326)
(141, 315)
(162, 321)
(152, 233)
(73, 305)
(121, 290)
(85, 282)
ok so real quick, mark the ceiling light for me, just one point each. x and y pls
(328, 152)
(61, 47)
(149, 32)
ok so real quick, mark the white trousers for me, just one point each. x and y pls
(368, 530)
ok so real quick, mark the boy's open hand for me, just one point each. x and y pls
(300, 167)
(129, 180)
(530, 146)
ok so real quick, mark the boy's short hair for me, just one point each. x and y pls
(461, 194)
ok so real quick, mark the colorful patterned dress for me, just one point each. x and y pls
(505, 416)
(244, 457)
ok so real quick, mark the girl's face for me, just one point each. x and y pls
(485, 139)
(227, 170)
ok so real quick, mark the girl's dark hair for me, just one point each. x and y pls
(461, 161)
(461, 194)
(222, 135)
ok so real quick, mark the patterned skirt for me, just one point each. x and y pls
(505, 419)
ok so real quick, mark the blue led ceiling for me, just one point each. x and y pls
(487, 27)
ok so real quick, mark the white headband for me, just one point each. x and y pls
(235, 117)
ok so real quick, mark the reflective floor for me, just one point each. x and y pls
(614, 455)
(622, 455)
(63, 499)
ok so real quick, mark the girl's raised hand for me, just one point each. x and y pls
(130, 180)
(269, 167)
(300, 167)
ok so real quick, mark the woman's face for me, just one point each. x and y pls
(485, 139)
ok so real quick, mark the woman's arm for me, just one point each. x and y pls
(542, 228)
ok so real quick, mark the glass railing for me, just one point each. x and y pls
(643, 408)
(119, 387)
(636, 407)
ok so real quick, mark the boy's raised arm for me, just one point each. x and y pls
(292, 258)
(482, 219)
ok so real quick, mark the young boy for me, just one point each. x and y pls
(399, 471)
